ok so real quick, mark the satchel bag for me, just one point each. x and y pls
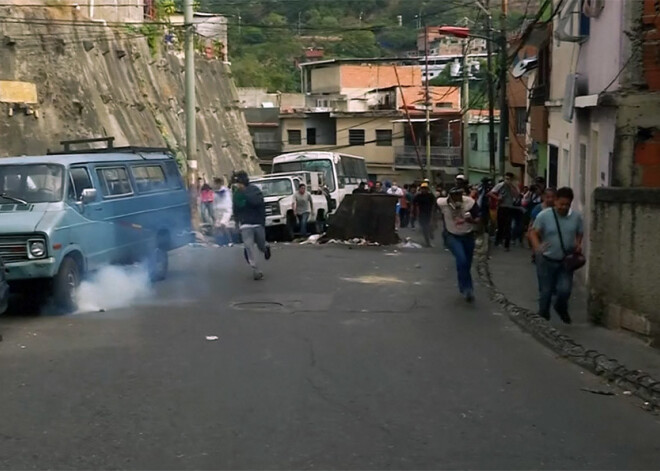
(572, 261)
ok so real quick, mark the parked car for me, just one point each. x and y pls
(70, 213)
(4, 289)
(278, 190)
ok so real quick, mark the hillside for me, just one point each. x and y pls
(268, 38)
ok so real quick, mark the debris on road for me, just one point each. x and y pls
(409, 244)
(601, 392)
(313, 239)
(211, 338)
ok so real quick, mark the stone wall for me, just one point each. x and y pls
(623, 263)
(94, 81)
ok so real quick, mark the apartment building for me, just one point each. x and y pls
(376, 109)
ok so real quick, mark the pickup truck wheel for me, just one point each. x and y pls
(158, 265)
(66, 284)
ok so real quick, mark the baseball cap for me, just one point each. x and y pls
(424, 185)
(460, 176)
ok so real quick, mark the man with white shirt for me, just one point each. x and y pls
(460, 215)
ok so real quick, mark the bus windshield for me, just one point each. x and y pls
(317, 165)
(32, 183)
(275, 187)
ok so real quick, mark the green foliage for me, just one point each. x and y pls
(271, 35)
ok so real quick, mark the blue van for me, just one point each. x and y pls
(63, 215)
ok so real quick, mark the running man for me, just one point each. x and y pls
(460, 214)
(250, 215)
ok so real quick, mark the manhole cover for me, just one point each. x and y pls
(258, 306)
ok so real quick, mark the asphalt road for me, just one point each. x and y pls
(340, 358)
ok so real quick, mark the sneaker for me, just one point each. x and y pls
(469, 295)
(267, 252)
(258, 275)
(545, 315)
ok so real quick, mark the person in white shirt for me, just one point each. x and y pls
(394, 190)
(222, 210)
(460, 215)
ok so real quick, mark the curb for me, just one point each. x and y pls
(640, 384)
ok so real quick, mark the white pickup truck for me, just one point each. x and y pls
(278, 190)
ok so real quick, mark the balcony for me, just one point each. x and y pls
(441, 157)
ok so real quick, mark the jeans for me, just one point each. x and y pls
(427, 230)
(208, 216)
(254, 237)
(553, 278)
(404, 214)
(504, 218)
(302, 219)
(462, 247)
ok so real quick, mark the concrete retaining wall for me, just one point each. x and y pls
(94, 81)
(624, 260)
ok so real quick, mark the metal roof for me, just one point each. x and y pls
(77, 158)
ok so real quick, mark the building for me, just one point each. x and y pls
(604, 142)
(478, 153)
(527, 90)
(376, 109)
(211, 28)
(262, 113)
(115, 11)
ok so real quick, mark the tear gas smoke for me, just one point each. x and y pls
(114, 287)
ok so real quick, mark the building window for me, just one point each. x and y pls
(356, 137)
(295, 137)
(521, 121)
(384, 137)
(311, 136)
(474, 141)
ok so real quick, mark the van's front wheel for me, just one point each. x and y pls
(66, 284)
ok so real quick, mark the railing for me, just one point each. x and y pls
(406, 156)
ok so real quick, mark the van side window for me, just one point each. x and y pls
(149, 178)
(173, 176)
(79, 181)
(114, 181)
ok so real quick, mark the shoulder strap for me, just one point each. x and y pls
(561, 239)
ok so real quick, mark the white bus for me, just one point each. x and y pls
(342, 172)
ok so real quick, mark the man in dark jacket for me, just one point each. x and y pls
(250, 216)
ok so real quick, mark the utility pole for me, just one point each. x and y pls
(466, 110)
(191, 122)
(427, 105)
(491, 93)
(504, 108)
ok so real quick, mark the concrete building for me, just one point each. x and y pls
(604, 142)
(527, 90)
(478, 154)
(262, 113)
(210, 27)
(375, 109)
(116, 11)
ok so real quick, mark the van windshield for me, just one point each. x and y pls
(275, 187)
(32, 183)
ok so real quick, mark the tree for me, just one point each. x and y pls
(359, 44)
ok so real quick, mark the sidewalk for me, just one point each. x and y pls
(514, 275)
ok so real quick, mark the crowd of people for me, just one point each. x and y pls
(507, 212)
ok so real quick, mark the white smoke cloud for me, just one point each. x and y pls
(114, 287)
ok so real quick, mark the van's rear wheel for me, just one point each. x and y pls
(158, 265)
(66, 284)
